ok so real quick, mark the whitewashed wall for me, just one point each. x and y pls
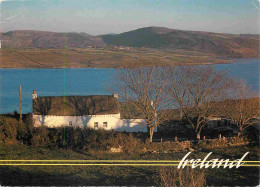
(113, 122)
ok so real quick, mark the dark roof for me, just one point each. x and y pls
(76, 105)
(129, 111)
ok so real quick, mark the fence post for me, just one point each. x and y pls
(63, 137)
(20, 94)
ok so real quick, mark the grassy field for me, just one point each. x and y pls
(114, 175)
(100, 58)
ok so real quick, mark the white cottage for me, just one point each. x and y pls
(95, 111)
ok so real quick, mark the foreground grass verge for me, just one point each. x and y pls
(114, 175)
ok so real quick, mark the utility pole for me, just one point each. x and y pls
(20, 93)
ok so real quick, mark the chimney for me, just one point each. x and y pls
(115, 95)
(34, 94)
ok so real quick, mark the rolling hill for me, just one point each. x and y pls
(44, 39)
(227, 45)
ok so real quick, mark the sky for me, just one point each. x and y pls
(116, 16)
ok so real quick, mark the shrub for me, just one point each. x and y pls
(132, 144)
(54, 136)
(22, 132)
(187, 177)
(2, 136)
(67, 136)
(118, 140)
(95, 139)
(78, 138)
(40, 137)
(163, 146)
(29, 121)
(223, 142)
(12, 130)
(8, 129)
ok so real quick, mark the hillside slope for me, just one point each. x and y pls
(229, 45)
(43, 39)
(226, 45)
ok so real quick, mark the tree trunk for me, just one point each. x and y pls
(198, 135)
(151, 134)
(240, 131)
(181, 114)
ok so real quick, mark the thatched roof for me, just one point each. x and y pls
(130, 111)
(76, 105)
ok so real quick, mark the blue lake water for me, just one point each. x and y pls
(57, 82)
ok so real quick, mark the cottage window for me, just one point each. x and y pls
(70, 123)
(105, 124)
(96, 125)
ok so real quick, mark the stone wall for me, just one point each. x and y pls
(222, 142)
(175, 146)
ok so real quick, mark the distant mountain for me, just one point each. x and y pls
(164, 38)
(111, 34)
(228, 45)
(44, 39)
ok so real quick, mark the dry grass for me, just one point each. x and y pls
(187, 177)
(115, 175)
(100, 58)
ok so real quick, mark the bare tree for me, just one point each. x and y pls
(178, 87)
(42, 106)
(242, 107)
(196, 91)
(144, 90)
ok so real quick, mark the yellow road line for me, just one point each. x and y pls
(93, 160)
(245, 165)
(106, 161)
